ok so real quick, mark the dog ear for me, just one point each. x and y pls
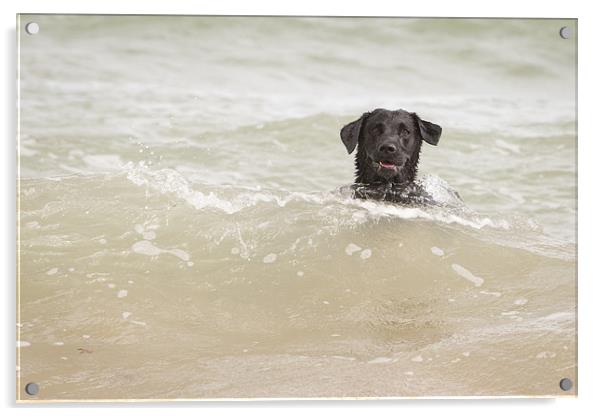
(350, 133)
(429, 132)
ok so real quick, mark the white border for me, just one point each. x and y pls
(589, 201)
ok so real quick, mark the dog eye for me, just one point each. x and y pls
(403, 130)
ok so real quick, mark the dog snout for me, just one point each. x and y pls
(387, 148)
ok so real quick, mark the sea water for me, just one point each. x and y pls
(184, 230)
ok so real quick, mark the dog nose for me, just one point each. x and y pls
(387, 148)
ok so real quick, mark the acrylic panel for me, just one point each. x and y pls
(189, 226)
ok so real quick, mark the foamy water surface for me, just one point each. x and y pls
(186, 229)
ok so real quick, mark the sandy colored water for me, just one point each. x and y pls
(185, 232)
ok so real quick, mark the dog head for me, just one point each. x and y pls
(388, 144)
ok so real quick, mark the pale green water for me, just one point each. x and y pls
(183, 236)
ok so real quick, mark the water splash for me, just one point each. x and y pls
(171, 182)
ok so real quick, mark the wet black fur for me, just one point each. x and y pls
(364, 173)
(402, 186)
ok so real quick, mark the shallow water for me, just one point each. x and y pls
(185, 231)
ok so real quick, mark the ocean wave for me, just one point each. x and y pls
(171, 182)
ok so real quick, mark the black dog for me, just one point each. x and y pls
(388, 148)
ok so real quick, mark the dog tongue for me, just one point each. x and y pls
(387, 165)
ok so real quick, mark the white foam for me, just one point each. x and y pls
(33, 224)
(181, 254)
(418, 359)
(546, 354)
(92, 275)
(559, 317)
(23, 344)
(340, 357)
(126, 315)
(380, 360)
(512, 194)
(359, 217)
(352, 248)
(496, 294)
(122, 293)
(270, 258)
(52, 271)
(508, 146)
(59, 343)
(437, 251)
(169, 181)
(521, 301)
(300, 273)
(365, 254)
(378, 210)
(467, 274)
(147, 248)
